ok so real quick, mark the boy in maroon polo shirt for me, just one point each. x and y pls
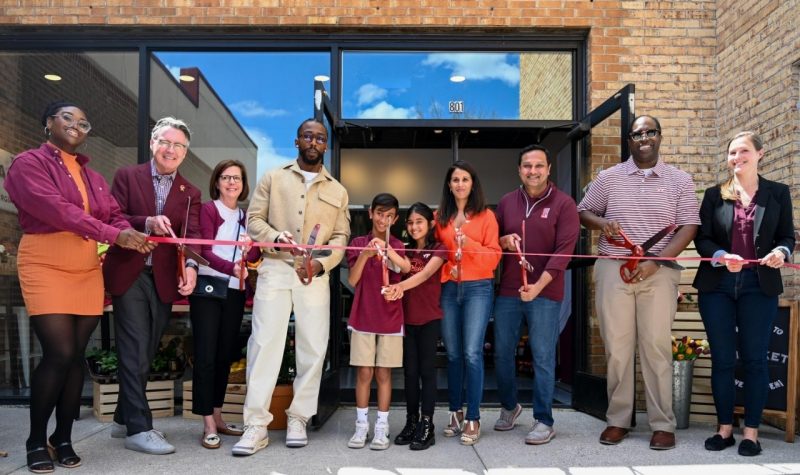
(376, 324)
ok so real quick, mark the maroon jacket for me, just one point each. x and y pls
(551, 228)
(210, 221)
(48, 200)
(133, 189)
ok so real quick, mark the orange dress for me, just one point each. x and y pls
(60, 272)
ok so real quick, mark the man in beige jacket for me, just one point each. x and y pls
(288, 203)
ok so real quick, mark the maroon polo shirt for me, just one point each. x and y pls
(421, 304)
(370, 312)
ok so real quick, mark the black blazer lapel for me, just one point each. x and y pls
(724, 216)
(762, 198)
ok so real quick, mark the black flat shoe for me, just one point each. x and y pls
(64, 454)
(748, 448)
(39, 460)
(717, 443)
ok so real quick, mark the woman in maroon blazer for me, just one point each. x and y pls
(216, 321)
(65, 209)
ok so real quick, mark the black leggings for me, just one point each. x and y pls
(419, 363)
(58, 380)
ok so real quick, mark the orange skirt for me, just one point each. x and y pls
(60, 273)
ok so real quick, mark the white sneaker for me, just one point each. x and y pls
(540, 434)
(118, 431)
(380, 440)
(254, 439)
(149, 442)
(296, 432)
(359, 439)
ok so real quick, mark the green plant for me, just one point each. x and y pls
(105, 361)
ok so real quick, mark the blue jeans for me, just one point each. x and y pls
(467, 308)
(541, 314)
(738, 302)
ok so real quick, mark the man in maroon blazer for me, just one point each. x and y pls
(154, 197)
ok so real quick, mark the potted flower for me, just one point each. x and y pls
(685, 351)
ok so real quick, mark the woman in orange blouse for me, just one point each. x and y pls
(64, 209)
(469, 231)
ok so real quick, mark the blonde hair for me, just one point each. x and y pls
(727, 190)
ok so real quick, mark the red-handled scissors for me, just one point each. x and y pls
(383, 255)
(640, 251)
(524, 265)
(306, 254)
(459, 253)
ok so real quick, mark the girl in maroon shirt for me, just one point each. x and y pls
(420, 292)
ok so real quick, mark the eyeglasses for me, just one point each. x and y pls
(178, 147)
(83, 125)
(642, 134)
(230, 178)
(309, 137)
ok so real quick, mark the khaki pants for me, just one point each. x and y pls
(639, 313)
(278, 292)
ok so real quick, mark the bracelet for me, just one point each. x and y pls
(192, 265)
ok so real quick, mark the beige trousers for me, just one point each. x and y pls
(278, 292)
(630, 314)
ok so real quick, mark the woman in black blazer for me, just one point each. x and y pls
(748, 230)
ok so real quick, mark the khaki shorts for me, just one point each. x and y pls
(371, 350)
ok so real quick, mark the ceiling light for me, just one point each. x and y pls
(186, 78)
(321, 78)
(437, 131)
(474, 131)
(457, 78)
(52, 77)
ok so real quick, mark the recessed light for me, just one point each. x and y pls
(457, 78)
(52, 77)
(186, 78)
(474, 131)
(437, 131)
(321, 78)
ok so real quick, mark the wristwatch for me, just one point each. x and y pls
(192, 265)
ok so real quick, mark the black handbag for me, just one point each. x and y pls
(214, 287)
(211, 287)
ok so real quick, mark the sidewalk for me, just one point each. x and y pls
(574, 451)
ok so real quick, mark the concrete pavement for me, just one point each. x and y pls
(574, 451)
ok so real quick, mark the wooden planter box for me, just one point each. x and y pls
(160, 397)
(233, 407)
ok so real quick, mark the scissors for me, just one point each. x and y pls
(640, 251)
(524, 265)
(383, 255)
(183, 251)
(459, 253)
(308, 254)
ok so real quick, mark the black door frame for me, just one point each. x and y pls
(589, 390)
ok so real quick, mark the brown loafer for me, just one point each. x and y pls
(662, 440)
(613, 435)
(230, 429)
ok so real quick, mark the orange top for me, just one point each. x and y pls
(481, 250)
(71, 162)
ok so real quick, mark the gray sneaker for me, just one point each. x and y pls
(150, 442)
(540, 434)
(507, 418)
(118, 431)
(296, 432)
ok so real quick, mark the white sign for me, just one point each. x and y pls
(5, 201)
(455, 107)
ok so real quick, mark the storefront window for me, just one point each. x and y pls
(105, 86)
(457, 85)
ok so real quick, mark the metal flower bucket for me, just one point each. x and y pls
(682, 372)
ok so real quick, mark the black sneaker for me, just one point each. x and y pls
(748, 448)
(407, 434)
(424, 436)
(717, 443)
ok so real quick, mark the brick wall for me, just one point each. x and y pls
(759, 89)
